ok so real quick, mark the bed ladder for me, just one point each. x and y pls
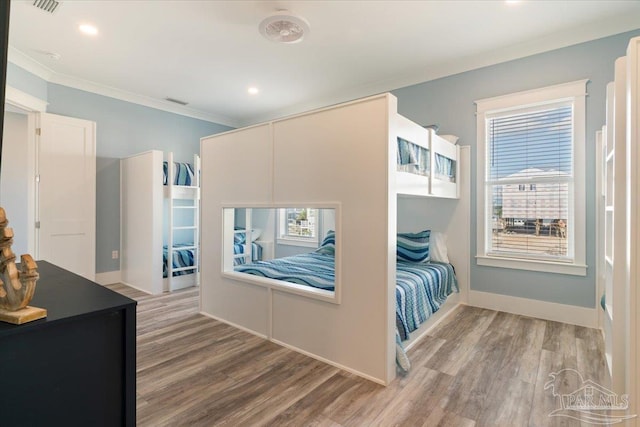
(247, 253)
(190, 194)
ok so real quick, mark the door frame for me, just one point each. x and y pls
(32, 106)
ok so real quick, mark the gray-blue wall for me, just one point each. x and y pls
(29, 83)
(449, 102)
(123, 129)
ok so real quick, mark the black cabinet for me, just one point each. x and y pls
(77, 367)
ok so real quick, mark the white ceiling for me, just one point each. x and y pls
(209, 52)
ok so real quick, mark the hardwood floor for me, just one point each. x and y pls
(479, 368)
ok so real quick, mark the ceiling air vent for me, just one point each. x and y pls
(46, 5)
(176, 101)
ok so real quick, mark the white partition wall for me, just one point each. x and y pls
(141, 218)
(341, 155)
(236, 168)
(632, 281)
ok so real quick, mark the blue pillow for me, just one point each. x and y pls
(328, 245)
(413, 247)
(239, 238)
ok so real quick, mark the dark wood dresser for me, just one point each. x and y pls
(77, 367)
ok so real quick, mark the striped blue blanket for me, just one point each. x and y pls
(445, 167)
(181, 258)
(256, 253)
(412, 158)
(421, 288)
(183, 174)
(313, 269)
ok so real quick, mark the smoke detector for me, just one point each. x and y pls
(283, 27)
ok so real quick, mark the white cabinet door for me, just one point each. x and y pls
(66, 193)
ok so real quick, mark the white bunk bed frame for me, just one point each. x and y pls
(142, 197)
(619, 230)
(183, 192)
(358, 332)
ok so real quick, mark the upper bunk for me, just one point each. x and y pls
(427, 164)
(182, 180)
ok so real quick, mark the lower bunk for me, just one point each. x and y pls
(422, 288)
(184, 271)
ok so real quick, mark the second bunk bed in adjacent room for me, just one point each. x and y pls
(160, 202)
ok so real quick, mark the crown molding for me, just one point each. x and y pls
(574, 36)
(23, 61)
(24, 101)
(20, 59)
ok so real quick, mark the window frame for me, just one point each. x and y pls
(286, 239)
(575, 93)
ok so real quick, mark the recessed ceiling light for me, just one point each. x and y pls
(253, 90)
(510, 2)
(88, 29)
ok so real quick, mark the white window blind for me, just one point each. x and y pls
(529, 181)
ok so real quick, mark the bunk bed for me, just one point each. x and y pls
(422, 285)
(160, 202)
(241, 252)
(618, 225)
(408, 175)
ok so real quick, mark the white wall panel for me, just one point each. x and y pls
(236, 169)
(342, 154)
(141, 219)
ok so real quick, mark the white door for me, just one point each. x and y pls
(66, 193)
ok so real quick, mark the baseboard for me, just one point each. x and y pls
(296, 349)
(109, 277)
(574, 315)
(242, 328)
(329, 362)
(137, 288)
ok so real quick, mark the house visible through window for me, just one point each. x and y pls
(532, 180)
(298, 224)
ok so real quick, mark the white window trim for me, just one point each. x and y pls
(575, 92)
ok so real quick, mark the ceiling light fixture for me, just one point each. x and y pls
(88, 29)
(253, 90)
(283, 27)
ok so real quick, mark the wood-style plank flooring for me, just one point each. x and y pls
(477, 368)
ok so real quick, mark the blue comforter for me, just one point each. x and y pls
(313, 269)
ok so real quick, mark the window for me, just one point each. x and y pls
(298, 226)
(250, 256)
(531, 180)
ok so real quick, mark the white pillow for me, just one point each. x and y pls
(450, 138)
(255, 234)
(438, 247)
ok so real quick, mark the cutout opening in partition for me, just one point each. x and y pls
(289, 248)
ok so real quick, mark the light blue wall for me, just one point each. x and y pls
(123, 129)
(26, 82)
(449, 102)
